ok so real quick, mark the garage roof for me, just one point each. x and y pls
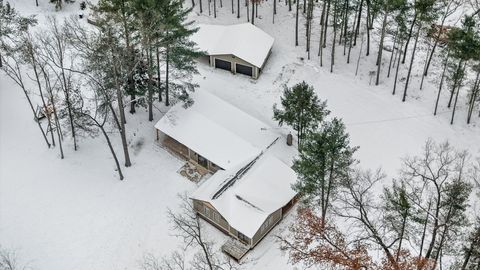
(217, 130)
(245, 41)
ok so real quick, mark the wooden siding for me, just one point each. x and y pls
(183, 151)
(273, 219)
(212, 215)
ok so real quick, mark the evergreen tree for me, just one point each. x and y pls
(302, 110)
(398, 212)
(324, 162)
(464, 46)
(180, 52)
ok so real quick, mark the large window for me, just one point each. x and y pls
(243, 238)
(203, 161)
(207, 211)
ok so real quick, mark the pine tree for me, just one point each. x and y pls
(398, 211)
(302, 110)
(180, 52)
(464, 46)
(324, 162)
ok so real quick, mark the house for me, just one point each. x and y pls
(247, 201)
(240, 48)
(250, 189)
(212, 133)
(440, 32)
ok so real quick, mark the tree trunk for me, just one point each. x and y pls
(359, 16)
(296, 24)
(159, 78)
(167, 63)
(409, 37)
(455, 85)
(122, 121)
(435, 223)
(150, 86)
(238, 9)
(411, 64)
(201, 6)
(332, 61)
(456, 97)
(473, 97)
(444, 17)
(393, 52)
(35, 116)
(325, 26)
(253, 13)
(398, 67)
(424, 232)
(111, 149)
(215, 8)
(380, 47)
(369, 27)
(322, 25)
(441, 83)
(351, 35)
(289, 5)
(233, 12)
(424, 68)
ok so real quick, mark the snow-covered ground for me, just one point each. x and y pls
(75, 213)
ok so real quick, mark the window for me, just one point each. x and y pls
(215, 216)
(267, 224)
(243, 238)
(207, 211)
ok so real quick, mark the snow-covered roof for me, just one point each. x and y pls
(246, 202)
(245, 41)
(217, 130)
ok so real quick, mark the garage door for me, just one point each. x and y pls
(244, 70)
(223, 64)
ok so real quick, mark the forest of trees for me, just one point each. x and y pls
(405, 24)
(138, 49)
(139, 54)
(421, 220)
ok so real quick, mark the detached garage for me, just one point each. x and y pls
(240, 48)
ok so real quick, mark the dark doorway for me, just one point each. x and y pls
(223, 64)
(203, 161)
(242, 69)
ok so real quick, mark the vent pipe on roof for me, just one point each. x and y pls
(289, 139)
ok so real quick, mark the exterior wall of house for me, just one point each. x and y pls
(213, 217)
(269, 223)
(184, 151)
(233, 59)
(211, 214)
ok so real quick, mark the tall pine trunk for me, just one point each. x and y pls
(473, 97)
(167, 63)
(159, 78)
(411, 63)
(296, 23)
(409, 37)
(332, 61)
(380, 47)
(398, 67)
(357, 28)
(441, 83)
(393, 53)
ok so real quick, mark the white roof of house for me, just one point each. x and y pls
(247, 202)
(217, 130)
(245, 41)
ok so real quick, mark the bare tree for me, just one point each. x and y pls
(8, 260)
(188, 227)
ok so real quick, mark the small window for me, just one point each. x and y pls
(207, 211)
